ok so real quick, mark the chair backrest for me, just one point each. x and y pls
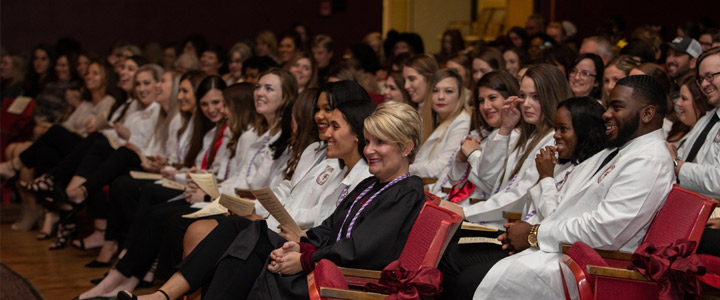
(432, 198)
(683, 216)
(429, 237)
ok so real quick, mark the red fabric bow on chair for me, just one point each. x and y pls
(674, 267)
(402, 284)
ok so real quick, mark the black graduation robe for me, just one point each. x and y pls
(377, 238)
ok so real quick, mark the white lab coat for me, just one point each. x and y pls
(611, 210)
(544, 197)
(487, 164)
(510, 191)
(222, 156)
(703, 175)
(177, 146)
(258, 169)
(300, 199)
(433, 156)
(332, 196)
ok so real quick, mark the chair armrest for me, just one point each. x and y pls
(615, 273)
(363, 273)
(512, 216)
(349, 294)
(616, 255)
(427, 180)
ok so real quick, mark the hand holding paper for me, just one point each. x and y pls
(268, 200)
(206, 182)
(238, 206)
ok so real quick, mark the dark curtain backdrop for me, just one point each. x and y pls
(588, 15)
(98, 24)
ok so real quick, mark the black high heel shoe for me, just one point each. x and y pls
(125, 295)
(61, 199)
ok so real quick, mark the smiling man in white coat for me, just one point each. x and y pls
(609, 207)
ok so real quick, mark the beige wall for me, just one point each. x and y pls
(429, 18)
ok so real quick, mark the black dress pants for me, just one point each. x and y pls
(146, 238)
(464, 266)
(710, 242)
(118, 163)
(49, 149)
(222, 276)
(65, 169)
(124, 199)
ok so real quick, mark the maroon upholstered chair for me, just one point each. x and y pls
(683, 216)
(712, 265)
(428, 238)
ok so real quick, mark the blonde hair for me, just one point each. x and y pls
(243, 49)
(429, 116)
(155, 71)
(268, 37)
(424, 64)
(397, 123)
(187, 61)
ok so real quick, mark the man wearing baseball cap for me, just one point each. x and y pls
(682, 53)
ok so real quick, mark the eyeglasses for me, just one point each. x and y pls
(707, 77)
(583, 74)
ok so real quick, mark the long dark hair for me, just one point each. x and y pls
(342, 91)
(551, 87)
(588, 126)
(355, 112)
(201, 123)
(289, 88)
(140, 61)
(241, 105)
(72, 59)
(279, 146)
(457, 43)
(500, 81)
(194, 77)
(307, 132)
(33, 83)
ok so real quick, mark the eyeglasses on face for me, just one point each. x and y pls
(707, 77)
(583, 74)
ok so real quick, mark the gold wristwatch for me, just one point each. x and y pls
(532, 237)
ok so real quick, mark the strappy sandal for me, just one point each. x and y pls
(65, 233)
(44, 189)
(44, 183)
(82, 246)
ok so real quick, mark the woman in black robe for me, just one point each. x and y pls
(368, 229)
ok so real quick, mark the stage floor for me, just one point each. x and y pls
(57, 274)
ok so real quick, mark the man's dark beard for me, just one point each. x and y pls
(625, 132)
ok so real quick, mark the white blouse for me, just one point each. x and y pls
(77, 121)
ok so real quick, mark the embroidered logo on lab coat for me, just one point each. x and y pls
(717, 137)
(324, 176)
(606, 173)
